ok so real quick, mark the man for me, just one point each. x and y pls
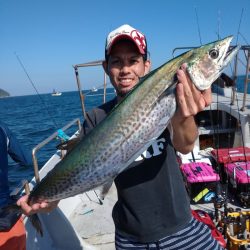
(153, 209)
(15, 237)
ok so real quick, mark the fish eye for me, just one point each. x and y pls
(214, 53)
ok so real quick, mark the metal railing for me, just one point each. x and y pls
(46, 141)
(88, 64)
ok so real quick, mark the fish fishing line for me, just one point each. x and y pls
(218, 24)
(198, 25)
(238, 32)
(33, 85)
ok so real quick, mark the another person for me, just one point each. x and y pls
(15, 238)
(153, 209)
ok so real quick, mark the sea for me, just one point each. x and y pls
(34, 118)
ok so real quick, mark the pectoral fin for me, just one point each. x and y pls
(104, 189)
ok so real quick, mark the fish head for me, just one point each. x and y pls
(208, 61)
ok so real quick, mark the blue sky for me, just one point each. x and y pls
(50, 36)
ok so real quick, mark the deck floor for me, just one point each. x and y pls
(93, 221)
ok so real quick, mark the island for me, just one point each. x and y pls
(3, 93)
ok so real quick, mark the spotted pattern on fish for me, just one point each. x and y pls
(132, 125)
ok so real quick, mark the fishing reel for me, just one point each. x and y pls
(220, 200)
(237, 229)
(244, 198)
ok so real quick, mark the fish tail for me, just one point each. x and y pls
(36, 223)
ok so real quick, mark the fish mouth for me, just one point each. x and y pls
(231, 52)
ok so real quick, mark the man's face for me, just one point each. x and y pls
(126, 66)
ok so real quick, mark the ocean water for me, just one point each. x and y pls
(33, 118)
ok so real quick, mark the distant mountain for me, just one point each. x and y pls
(3, 93)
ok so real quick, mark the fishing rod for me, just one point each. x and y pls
(236, 58)
(238, 32)
(218, 24)
(219, 196)
(198, 25)
(33, 85)
(240, 125)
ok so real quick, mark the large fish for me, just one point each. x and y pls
(131, 126)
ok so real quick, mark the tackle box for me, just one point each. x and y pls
(223, 156)
(227, 155)
(200, 180)
(239, 177)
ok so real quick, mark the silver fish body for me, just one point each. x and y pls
(131, 126)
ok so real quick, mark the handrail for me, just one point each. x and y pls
(47, 140)
(88, 64)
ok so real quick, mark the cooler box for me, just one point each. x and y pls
(227, 155)
(200, 179)
(239, 177)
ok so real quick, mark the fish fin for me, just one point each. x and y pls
(104, 189)
(171, 89)
(9, 215)
(35, 221)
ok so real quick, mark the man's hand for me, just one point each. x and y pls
(43, 207)
(190, 101)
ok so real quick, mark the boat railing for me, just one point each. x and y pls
(83, 65)
(46, 141)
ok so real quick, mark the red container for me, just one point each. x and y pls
(227, 155)
(239, 172)
(239, 177)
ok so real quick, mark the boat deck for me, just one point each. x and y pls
(93, 221)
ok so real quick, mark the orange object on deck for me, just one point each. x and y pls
(15, 239)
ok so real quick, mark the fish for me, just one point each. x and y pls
(131, 126)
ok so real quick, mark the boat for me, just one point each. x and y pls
(56, 93)
(94, 89)
(84, 221)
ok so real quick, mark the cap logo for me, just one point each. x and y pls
(127, 32)
(139, 38)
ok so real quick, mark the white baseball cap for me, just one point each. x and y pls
(126, 32)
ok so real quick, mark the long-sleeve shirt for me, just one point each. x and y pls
(9, 145)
